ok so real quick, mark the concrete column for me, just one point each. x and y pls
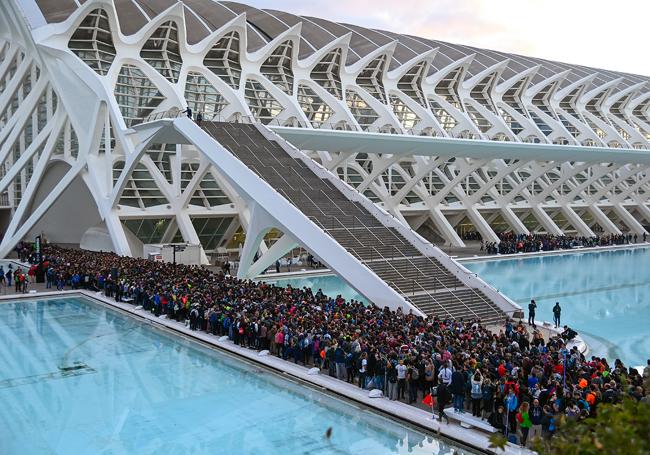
(281, 247)
(189, 233)
(603, 220)
(481, 225)
(259, 224)
(546, 221)
(627, 218)
(514, 221)
(448, 232)
(118, 236)
(577, 222)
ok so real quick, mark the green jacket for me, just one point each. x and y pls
(525, 420)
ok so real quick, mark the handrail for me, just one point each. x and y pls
(427, 293)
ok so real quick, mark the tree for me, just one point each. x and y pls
(617, 429)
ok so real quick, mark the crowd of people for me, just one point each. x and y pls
(511, 243)
(512, 377)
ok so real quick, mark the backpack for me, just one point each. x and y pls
(476, 388)
(415, 374)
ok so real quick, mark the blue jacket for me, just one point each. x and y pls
(511, 402)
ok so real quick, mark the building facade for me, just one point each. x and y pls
(450, 140)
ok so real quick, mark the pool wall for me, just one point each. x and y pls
(403, 412)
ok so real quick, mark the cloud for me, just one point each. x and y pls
(596, 33)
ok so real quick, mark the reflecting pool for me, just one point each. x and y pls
(604, 295)
(77, 378)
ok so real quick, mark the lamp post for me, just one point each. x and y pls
(176, 248)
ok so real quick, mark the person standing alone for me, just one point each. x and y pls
(557, 311)
(531, 312)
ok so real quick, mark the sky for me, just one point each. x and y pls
(600, 33)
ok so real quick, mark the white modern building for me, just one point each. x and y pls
(445, 139)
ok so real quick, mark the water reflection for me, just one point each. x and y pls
(151, 392)
(604, 295)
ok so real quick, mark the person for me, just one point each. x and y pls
(536, 413)
(523, 418)
(557, 311)
(477, 393)
(413, 377)
(531, 312)
(9, 275)
(442, 395)
(646, 378)
(363, 369)
(568, 334)
(2, 275)
(401, 379)
(512, 403)
(444, 376)
(277, 266)
(188, 111)
(339, 359)
(498, 419)
(49, 276)
(457, 388)
(548, 422)
(488, 398)
(391, 376)
(199, 118)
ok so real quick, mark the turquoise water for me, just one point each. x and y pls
(79, 378)
(331, 285)
(604, 295)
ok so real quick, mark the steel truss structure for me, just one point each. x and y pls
(446, 138)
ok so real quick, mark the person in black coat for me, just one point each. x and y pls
(457, 388)
(442, 396)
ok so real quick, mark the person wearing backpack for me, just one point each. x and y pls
(391, 375)
(476, 393)
(413, 376)
(488, 397)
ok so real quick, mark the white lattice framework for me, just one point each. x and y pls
(75, 78)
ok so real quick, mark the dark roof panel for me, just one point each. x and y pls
(212, 14)
(56, 10)
(154, 7)
(196, 30)
(129, 16)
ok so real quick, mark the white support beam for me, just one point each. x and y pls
(576, 221)
(280, 248)
(189, 233)
(603, 220)
(116, 231)
(445, 228)
(546, 221)
(481, 225)
(261, 222)
(627, 218)
(15, 235)
(514, 221)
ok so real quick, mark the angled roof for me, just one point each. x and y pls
(205, 16)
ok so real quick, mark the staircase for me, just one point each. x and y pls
(421, 279)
